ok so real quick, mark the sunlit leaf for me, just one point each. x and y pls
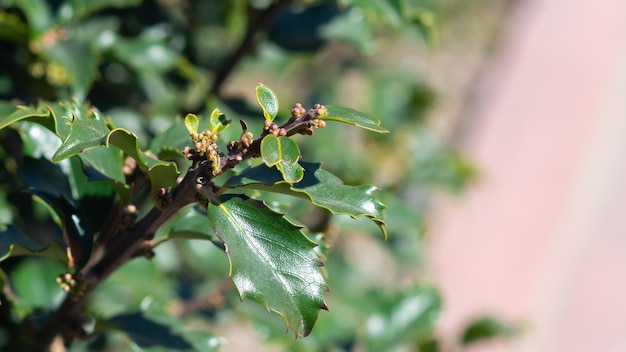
(353, 117)
(321, 187)
(292, 173)
(85, 132)
(268, 102)
(191, 122)
(272, 261)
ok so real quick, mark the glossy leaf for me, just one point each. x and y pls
(192, 122)
(321, 187)
(86, 131)
(272, 261)
(279, 149)
(409, 314)
(41, 115)
(292, 173)
(353, 117)
(162, 174)
(268, 102)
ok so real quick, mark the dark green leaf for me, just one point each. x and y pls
(411, 313)
(321, 187)
(77, 235)
(268, 102)
(106, 161)
(191, 223)
(86, 131)
(41, 115)
(353, 117)
(15, 243)
(162, 174)
(147, 333)
(485, 328)
(272, 261)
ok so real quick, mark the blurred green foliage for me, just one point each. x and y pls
(145, 63)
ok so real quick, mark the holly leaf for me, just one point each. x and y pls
(162, 174)
(14, 242)
(192, 123)
(87, 130)
(322, 188)
(271, 261)
(41, 115)
(283, 153)
(353, 117)
(268, 102)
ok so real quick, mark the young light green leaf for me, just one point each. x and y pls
(321, 187)
(192, 123)
(292, 173)
(218, 121)
(353, 117)
(268, 102)
(272, 261)
(279, 149)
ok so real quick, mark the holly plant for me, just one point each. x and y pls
(187, 183)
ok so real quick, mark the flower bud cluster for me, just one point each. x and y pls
(273, 128)
(298, 110)
(71, 283)
(204, 146)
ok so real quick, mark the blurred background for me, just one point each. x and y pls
(502, 171)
